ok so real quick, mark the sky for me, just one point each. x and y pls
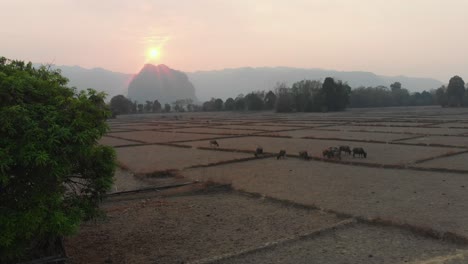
(418, 38)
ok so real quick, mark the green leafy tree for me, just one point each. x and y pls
(253, 102)
(329, 91)
(395, 86)
(441, 96)
(303, 93)
(455, 91)
(148, 106)
(141, 107)
(208, 105)
(167, 108)
(270, 100)
(119, 104)
(342, 94)
(52, 171)
(135, 107)
(229, 105)
(285, 100)
(218, 104)
(240, 103)
(156, 106)
(400, 97)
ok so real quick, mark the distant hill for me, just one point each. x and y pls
(113, 83)
(162, 83)
(231, 82)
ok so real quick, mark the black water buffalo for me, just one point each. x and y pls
(214, 143)
(345, 149)
(359, 152)
(281, 154)
(332, 152)
(304, 155)
(258, 152)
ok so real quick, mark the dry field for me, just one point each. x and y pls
(159, 137)
(388, 154)
(177, 199)
(348, 135)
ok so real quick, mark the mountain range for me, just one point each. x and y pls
(232, 82)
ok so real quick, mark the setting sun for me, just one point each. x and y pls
(153, 53)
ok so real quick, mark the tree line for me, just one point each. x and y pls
(311, 96)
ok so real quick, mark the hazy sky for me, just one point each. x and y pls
(426, 38)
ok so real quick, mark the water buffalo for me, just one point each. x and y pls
(304, 155)
(258, 152)
(214, 143)
(281, 154)
(359, 152)
(332, 152)
(345, 149)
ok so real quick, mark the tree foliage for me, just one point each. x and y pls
(455, 91)
(270, 100)
(148, 106)
(239, 103)
(218, 104)
(119, 104)
(395, 86)
(167, 108)
(229, 104)
(156, 106)
(284, 100)
(254, 102)
(311, 96)
(52, 171)
(381, 96)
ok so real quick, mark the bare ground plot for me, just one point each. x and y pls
(377, 153)
(128, 181)
(142, 127)
(453, 124)
(441, 140)
(408, 130)
(215, 131)
(114, 142)
(457, 162)
(188, 228)
(125, 181)
(368, 136)
(151, 158)
(391, 124)
(258, 127)
(284, 124)
(160, 137)
(354, 245)
(112, 130)
(420, 198)
(311, 123)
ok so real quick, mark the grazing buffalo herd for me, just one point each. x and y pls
(335, 152)
(329, 153)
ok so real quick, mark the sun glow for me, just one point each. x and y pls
(153, 53)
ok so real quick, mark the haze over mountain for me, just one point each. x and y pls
(232, 82)
(112, 83)
(161, 83)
